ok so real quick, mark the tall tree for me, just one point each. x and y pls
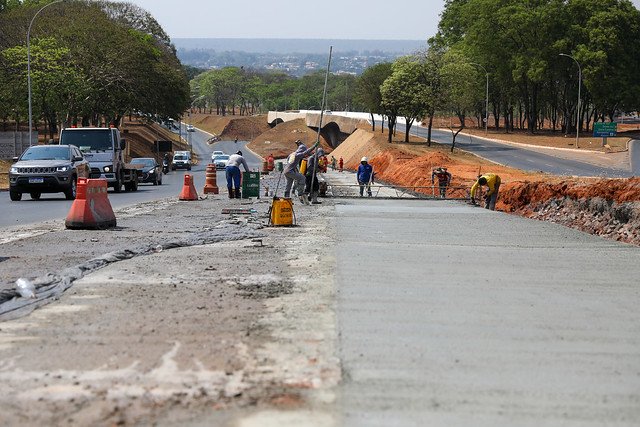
(368, 89)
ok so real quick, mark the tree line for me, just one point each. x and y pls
(92, 62)
(236, 90)
(517, 45)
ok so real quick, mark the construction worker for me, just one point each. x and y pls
(364, 176)
(444, 179)
(292, 172)
(492, 181)
(232, 172)
(312, 186)
(340, 164)
(270, 162)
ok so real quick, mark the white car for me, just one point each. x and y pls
(216, 154)
(221, 161)
(190, 128)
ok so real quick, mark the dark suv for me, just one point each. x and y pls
(47, 169)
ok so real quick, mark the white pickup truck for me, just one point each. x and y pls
(104, 150)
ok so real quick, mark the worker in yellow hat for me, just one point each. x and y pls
(492, 181)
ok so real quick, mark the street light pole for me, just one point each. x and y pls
(486, 113)
(578, 104)
(29, 63)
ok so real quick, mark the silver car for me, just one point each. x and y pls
(47, 169)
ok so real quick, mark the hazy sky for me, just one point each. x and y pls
(325, 19)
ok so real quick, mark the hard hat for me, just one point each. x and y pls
(239, 153)
(364, 159)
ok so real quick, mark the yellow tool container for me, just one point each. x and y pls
(303, 166)
(282, 212)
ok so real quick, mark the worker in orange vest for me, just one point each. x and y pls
(270, 162)
(340, 164)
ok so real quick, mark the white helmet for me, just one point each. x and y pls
(364, 159)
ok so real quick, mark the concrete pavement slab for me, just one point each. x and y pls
(454, 315)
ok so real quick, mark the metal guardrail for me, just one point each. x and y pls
(398, 192)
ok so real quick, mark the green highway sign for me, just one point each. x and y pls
(603, 130)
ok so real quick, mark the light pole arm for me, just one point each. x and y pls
(29, 62)
(486, 112)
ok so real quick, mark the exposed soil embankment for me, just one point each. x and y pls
(604, 207)
(410, 165)
(280, 140)
(228, 128)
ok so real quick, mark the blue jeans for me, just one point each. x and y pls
(233, 177)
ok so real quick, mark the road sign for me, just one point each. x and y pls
(603, 130)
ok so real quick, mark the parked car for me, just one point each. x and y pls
(216, 154)
(150, 170)
(190, 128)
(47, 169)
(221, 161)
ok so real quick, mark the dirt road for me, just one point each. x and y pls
(225, 333)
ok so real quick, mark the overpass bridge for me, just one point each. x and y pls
(336, 127)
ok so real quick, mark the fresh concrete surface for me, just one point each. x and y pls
(634, 156)
(451, 315)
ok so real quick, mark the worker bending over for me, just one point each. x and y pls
(292, 171)
(492, 181)
(233, 173)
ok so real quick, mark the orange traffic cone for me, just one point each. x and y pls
(188, 189)
(211, 180)
(91, 208)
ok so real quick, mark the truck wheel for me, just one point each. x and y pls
(117, 186)
(35, 195)
(15, 196)
(71, 193)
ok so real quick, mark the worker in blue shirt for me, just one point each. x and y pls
(365, 176)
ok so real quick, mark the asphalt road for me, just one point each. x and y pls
(55, 207)
(518, 157)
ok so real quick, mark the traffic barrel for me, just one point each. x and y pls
(91, 209)
(211, 180)
(188, 189)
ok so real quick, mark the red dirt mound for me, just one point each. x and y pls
(281, 140)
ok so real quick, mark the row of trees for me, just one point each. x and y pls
(236, 89)
(91, 62)
(518, 44)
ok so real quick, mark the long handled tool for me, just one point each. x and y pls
(322, 108)
(275, 193)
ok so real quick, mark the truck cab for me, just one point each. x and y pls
(104, 150)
